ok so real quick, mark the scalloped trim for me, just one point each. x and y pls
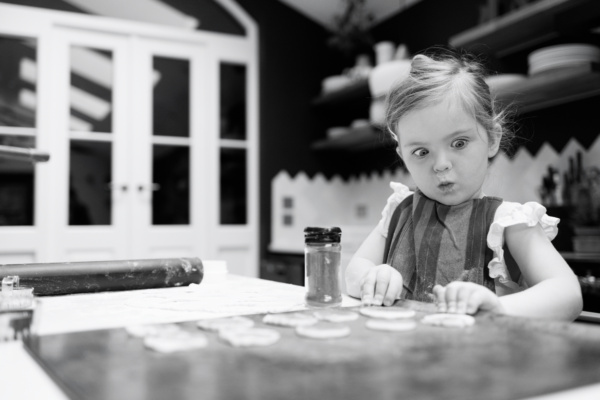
(401, 192)
(510, 214)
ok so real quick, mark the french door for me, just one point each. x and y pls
(152, 134)
(134, 147)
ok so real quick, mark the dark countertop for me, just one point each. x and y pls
(498, 358)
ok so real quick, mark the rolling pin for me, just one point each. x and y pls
(102, 276)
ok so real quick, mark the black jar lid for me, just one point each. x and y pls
(322, 235)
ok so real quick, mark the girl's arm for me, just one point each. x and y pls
(368, 278)
(553, 293)
(554, 290)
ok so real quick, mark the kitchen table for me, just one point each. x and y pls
(499, 357)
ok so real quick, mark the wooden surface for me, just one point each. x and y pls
(524, 28)
(356, 91)
(363, 138)
(498, 358)
(553, 87)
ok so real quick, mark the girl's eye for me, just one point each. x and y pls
(459, 143)
(420, 152)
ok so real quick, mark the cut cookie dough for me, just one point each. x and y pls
(387, 312)
(290, 319)
(323, 330)
(398, 325)
(180, 341)
(250, 337)
(449, 320)
(336, 315)
(333, 315)
(231, 323)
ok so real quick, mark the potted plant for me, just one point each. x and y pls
(351, 36)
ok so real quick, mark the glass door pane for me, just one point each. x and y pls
(171, 188)
(18, 82)
(18, 100)
(171, 141)
(16, 185)
(233, 154)
(233, 101)
(90, 138)
(89, 183)
(171, 97)
(233, 184)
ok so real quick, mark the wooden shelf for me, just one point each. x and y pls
(547, 89)
(527, 27)
(552, 88)
(357, 91)
(359, 139)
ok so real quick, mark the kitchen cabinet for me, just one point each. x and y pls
(283, 267)
(531, 27)
(587, 267)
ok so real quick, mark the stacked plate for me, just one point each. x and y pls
(501, 82)
(562, 56)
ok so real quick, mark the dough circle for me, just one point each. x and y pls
(180, 341)
(323, 330)
(290, 319)
(250, 337)
(399, 325)
(230, 323)
(387, 312)
(336, 315)
(449, 320)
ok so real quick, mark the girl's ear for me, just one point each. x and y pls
(398, 152)
(494, 144)
(395, 138)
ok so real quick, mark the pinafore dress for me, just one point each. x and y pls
(431, 243)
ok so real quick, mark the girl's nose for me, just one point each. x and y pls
(442, 163)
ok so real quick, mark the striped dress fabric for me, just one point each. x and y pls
(431, 243)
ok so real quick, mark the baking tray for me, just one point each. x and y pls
(497, 358)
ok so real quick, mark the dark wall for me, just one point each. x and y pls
(293, 60)
(428, 23)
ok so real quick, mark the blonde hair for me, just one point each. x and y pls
(447, 74)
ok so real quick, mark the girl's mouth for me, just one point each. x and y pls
(446, 186)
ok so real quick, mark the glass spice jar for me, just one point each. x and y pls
(322, 259)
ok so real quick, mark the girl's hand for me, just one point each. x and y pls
(466, 298)
(382, 285)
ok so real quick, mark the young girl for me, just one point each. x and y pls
(448, 242)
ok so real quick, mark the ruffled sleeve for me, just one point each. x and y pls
(509, 214)
(400, 193)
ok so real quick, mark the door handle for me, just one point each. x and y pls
(115, 186)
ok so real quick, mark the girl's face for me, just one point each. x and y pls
(446, 152)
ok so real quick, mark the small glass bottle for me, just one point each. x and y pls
(323, 275)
